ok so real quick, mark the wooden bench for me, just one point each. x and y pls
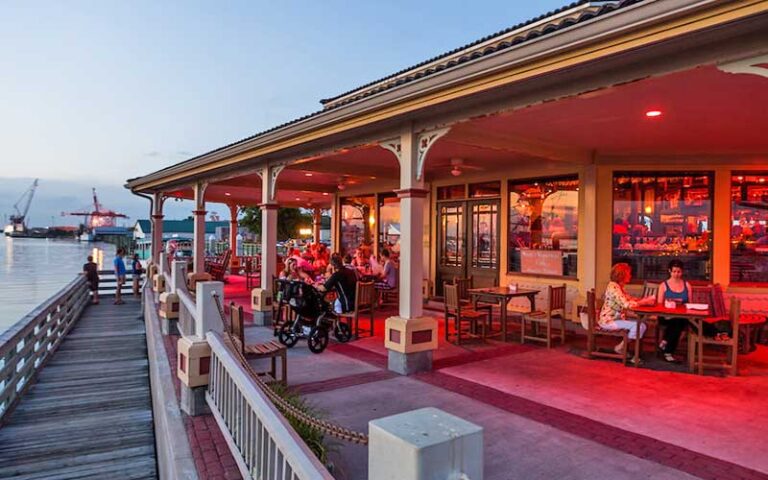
(271, 349)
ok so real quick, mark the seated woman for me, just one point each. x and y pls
(343, 282)
(292, 272)
(677, 289)
(613, 315)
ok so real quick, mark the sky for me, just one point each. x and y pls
(95, 92)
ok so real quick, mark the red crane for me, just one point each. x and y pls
(99, 217)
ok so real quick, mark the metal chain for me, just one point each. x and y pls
(286, 408)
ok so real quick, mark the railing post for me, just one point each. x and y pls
(194, 353)
(158, 278)
(424, 444)
(169, 300)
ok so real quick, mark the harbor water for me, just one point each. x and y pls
(32, 269)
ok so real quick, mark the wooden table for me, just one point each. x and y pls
(502, 296)
(696, 318)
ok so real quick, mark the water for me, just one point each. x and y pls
(32, 269)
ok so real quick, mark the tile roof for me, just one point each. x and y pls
(181, 226)
(417, 72)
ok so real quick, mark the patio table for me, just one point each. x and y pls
(502, 296)
(696, 318)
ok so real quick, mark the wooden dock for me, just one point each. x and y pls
(89, 414)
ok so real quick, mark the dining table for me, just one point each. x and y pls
(697, 318)
(502, 296)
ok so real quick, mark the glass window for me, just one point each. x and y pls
(658, 217)
(488, 189)
(357, 222)
(452, 192)
(484, 234)
(452, 235)
(543, 226)
(749, 221)
(389, 224)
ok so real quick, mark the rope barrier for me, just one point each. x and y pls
(280, 403)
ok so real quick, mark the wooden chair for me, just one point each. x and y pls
(697, 356)
(281, 312)
(459, 313)
(464, 284)
(595, 331)
(365, 303)
(251, 270)
(555, 310)
(271, 349)
(652, 290)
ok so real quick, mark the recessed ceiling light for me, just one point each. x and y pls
(653, 113)
(227, 194)
(298, 199)
(307, 174)
(325, 194)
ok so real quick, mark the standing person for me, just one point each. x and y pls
(613, 315)
(138, 269)
(91, 272)
(119, 275)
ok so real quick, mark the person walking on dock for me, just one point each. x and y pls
(119, 275)
(138, 269)
(91, 272)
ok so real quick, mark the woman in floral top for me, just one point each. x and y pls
(613, 315)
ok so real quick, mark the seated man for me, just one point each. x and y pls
(343, 282)
(388, 276)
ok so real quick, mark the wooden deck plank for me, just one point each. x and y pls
(89, 414)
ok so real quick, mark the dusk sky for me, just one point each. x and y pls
(100, 91)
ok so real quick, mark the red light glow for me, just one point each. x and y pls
(653, 113)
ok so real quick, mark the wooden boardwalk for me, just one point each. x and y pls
(89, 415)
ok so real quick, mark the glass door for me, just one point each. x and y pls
(483, 232)
(451, 254)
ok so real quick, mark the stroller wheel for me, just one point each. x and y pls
(287, 336)
(342, 332)
(317, 339)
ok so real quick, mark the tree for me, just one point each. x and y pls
(289, 221)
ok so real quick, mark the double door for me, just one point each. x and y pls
(468, 242)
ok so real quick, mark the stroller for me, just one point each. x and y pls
(313, 317)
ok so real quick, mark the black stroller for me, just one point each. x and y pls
(313, 317)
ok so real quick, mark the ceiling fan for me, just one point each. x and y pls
(457, 166)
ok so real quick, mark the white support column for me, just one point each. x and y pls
(157, 226)
(261, 298)
(233, 211)
(199, 236)
(411, 337)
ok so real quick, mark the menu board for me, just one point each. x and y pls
(543, 262)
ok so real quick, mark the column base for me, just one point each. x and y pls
(262, 319)
(409, 363)
(169, 326)
(193, 400)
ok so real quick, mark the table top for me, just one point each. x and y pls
(679, 311)
(503, 292)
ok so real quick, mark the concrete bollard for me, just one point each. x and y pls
(261, 303)
(169, 313)
(424, 444)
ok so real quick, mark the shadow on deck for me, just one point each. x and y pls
(89, 414)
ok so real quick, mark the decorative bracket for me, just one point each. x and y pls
(426, 140)
(199, 191)
(393, 145)
(273, 173)
(755, 66)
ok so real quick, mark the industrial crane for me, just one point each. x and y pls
(99, 217)
(18, 221)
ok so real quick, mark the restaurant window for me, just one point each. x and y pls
(389, 224)
(452, 192)
(357, 223)
(749, 224)
(543, 226)
(658, 217)
(482, 190)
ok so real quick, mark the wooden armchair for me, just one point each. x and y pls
(271, 349)
(464, 284)
(460, 313)
(594, 331)
(555, 310)
(698, 359)
(652, 290)
(365, 303)
(251, 269)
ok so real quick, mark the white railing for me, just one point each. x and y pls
(262, 441)
(26, 347)
(187, 311)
